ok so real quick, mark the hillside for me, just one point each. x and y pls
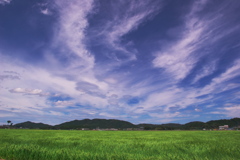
(96, 123)
(32, 125)
(120, 124)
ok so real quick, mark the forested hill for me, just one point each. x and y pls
(96, 123)
(32, 125)
(119, 124)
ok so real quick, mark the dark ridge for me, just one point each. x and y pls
(120, 124)
(32, 125)
(96, 123)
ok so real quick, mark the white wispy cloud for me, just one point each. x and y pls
(178, 58)
(179, 97)
(71, 39)
(122, 22)
(220, 83)
(171, 99)
(29, 91)
(73, 23)
(45, 11)
(54, 113)
(63, 103)
(229, 111)
(200, 34)
(4, 2)
(71, 34)
(18, 103)
(205, 71)
(37, 88)
(44, 8)
(198, 110)
(108, 115)
(230, 73)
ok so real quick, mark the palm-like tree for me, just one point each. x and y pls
(9, 122)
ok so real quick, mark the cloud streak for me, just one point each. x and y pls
(4, 2)
(179, 58)
(121, 23)
(38, 92)
(12, 77)
(71, 34)
(229, 111)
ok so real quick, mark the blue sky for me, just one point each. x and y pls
(152, 61)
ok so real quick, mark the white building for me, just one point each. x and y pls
(225, 127)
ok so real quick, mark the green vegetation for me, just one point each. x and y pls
(32, 125)
(122, 125)
(78, 124)
(110, 145)
(95, 123)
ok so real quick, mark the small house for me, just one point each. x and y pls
(225, 127)
(85, 129)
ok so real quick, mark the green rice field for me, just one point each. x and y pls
(123, 145)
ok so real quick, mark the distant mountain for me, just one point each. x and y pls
(194, 125)
(215, 123)
(172, 125)
(95, 123)
(119, 124)
(167, 126)
(32, 125)
(147, 126)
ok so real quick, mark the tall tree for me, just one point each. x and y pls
(9, 122)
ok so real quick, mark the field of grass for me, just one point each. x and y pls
(110, 145)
